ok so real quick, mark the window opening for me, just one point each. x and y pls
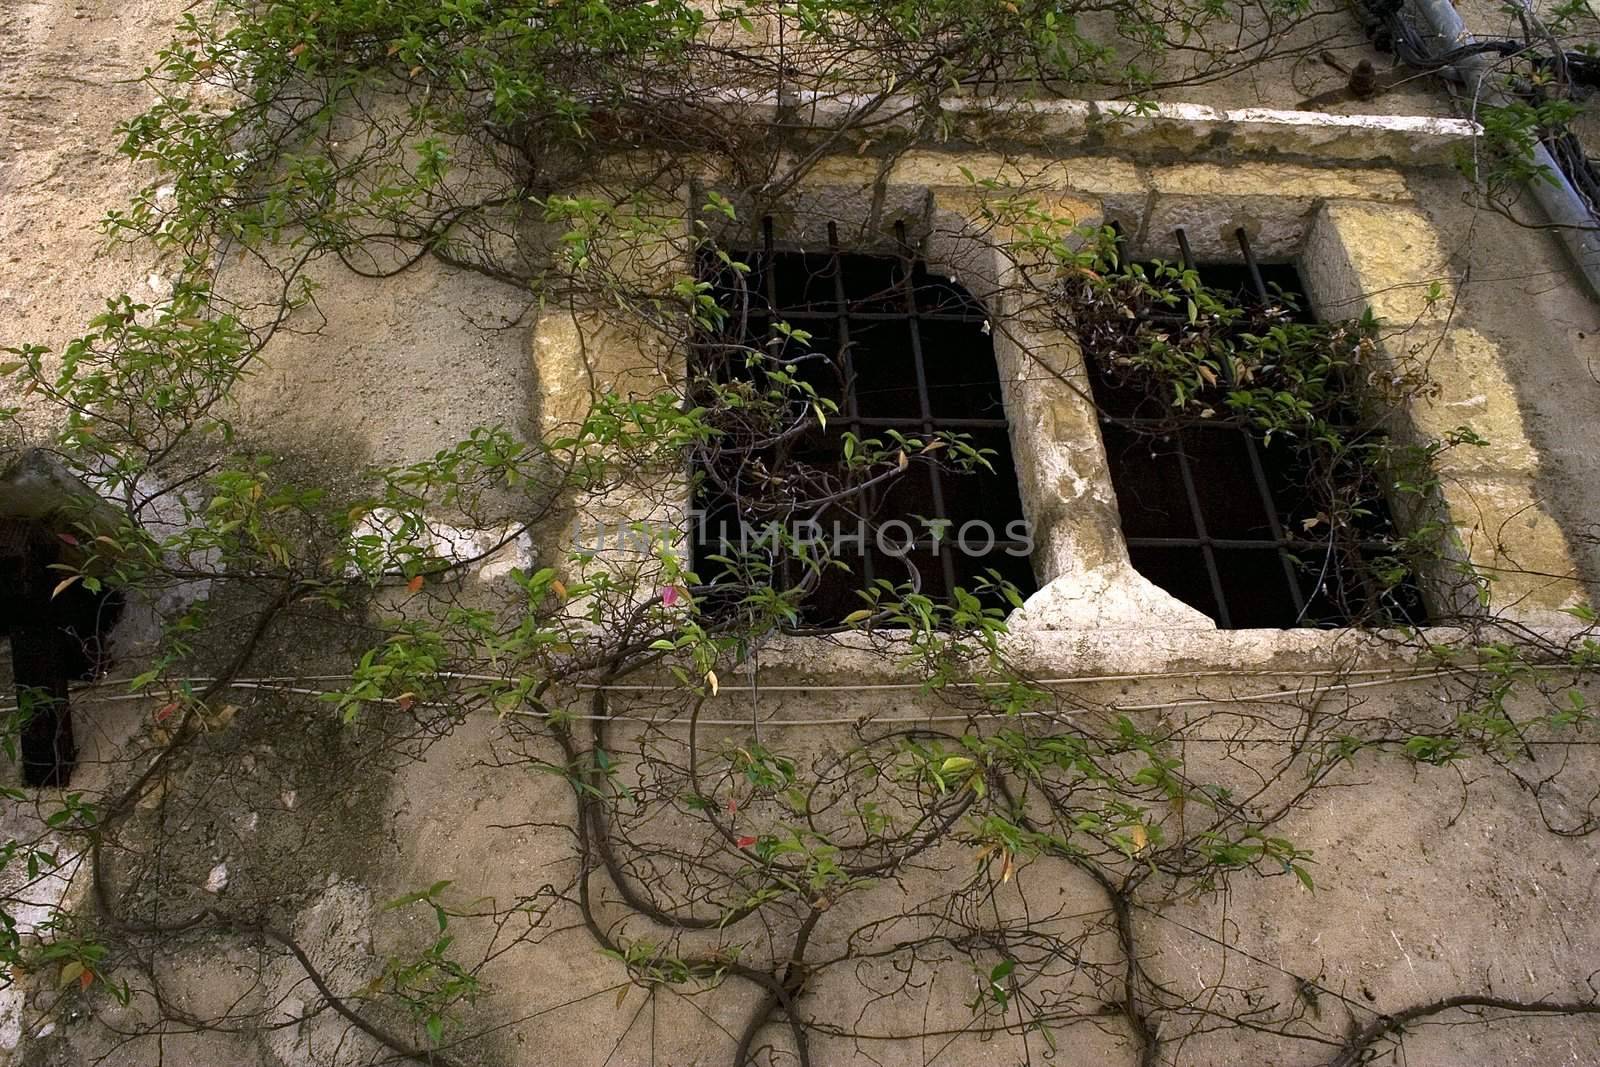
(1225, 519)
(57, 636)
(898, 349)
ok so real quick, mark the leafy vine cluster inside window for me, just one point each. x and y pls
(1249, 483)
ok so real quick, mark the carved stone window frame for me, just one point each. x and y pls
(1359, 241)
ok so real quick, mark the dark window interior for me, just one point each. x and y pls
(1217, 516)
(895, 347)
(56, 635)
(78, 619)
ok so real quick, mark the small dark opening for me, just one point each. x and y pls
(57, 634)
(80, 619)
(897, 349)
(1229, 521)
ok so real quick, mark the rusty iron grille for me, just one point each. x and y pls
(896, 347)
(1222, 519)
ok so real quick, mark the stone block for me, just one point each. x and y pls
(1406, 139)
(1275, 225)
(1289, 180)
(578, 355)
(1359, 255)
(1088, 174)
(982, 119)
(1507, 535)
(1184, 129)
(1475, 391)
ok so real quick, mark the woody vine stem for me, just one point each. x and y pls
(531, 143)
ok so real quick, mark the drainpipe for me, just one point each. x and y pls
(1565, 207)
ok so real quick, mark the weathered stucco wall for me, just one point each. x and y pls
(1429, 881)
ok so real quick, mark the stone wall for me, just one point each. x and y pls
(1429, 881)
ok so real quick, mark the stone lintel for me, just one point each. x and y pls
(1123, 127)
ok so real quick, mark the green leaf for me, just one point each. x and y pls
(422, 894)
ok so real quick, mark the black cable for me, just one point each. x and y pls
(1389, 32)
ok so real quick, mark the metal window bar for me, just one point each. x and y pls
(1282, 540)
(841, 311)
(770, 273)
(1363, 574)
(1252, 449)
(830, 314)
(914, 326)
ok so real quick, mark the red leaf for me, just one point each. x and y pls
(85, 978)
(746, 842)
(68, 538)
(164, 713)
(415, 584)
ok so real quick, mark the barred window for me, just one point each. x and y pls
(1233, 522)
(902, 355)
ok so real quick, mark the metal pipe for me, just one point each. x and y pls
(1562, 204)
